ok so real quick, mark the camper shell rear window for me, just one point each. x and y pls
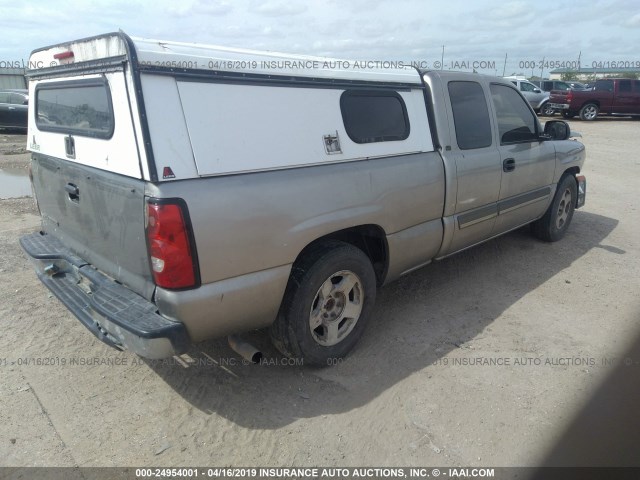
(79, 107)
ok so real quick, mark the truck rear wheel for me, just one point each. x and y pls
(555, 222)
(327, 304)
(547, 110)
(589, 112)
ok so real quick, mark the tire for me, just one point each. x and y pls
(555, 222)
(327, 304)
(567, 115)
(589, 112)
(546, 110)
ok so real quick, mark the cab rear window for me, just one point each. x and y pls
(79, 107)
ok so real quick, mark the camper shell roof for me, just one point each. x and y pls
(160, 56)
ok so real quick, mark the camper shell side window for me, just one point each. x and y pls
(79, 107)
(374, 116)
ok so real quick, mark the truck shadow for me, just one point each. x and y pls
(418, 320)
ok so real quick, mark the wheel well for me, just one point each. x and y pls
(371, 239)
(591, 102)
(570, 171)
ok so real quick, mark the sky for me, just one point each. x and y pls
(475, 34)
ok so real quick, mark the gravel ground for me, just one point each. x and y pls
(482, 359)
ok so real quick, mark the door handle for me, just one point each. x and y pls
(509, 165)
(12, 108)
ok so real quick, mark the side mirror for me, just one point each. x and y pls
(537, 90)
(557, 130)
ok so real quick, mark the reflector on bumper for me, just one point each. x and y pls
(582, 190)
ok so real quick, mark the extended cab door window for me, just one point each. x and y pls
(470, 115)
(624, 86)
(625, 101)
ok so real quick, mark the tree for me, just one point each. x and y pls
(569, 75)
(631, 75)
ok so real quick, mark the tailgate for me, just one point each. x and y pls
(99, 215)
(558, 96)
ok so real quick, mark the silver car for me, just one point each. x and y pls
(538, 99)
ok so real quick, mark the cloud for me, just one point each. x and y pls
(278, 8)
(200, 7)
(358, 29)
(633, 22)
(512, 10)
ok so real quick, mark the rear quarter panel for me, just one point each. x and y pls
(251, 222)
(250, 228)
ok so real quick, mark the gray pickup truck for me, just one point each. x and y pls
(190, 192)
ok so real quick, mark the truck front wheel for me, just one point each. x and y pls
(327, 304)
(555, 222)
(589, 112)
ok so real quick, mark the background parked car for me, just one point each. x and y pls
(610, 96)
(538, 99)
(548, 85)
(13, 108)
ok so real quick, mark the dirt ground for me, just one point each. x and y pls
(481, 359)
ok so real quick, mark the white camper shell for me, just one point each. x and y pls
(176, 109)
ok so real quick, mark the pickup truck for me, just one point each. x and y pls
(191, 191)
(613, 96)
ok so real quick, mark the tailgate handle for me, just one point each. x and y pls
(73, 191)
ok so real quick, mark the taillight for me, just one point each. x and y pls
(569, 96)
(171, 246)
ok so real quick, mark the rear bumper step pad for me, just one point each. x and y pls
(114, 314)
